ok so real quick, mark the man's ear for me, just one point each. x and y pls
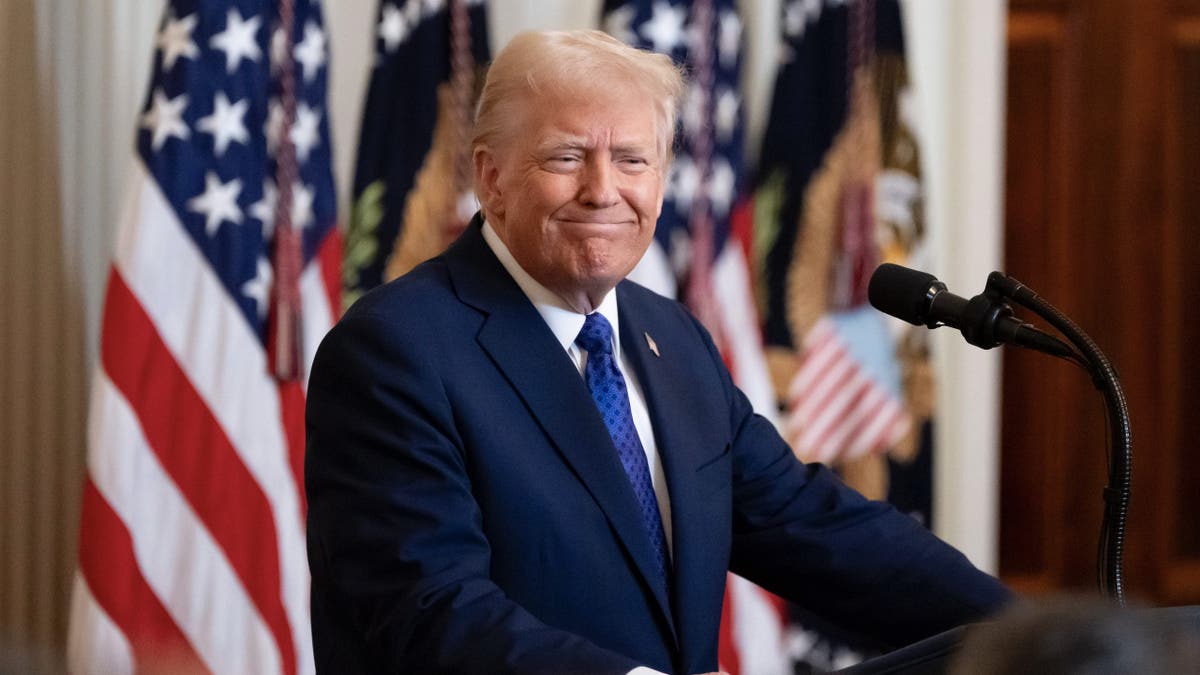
(487, 181)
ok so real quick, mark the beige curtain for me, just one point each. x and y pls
(70, 75)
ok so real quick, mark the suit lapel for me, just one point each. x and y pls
(655, 351)
(526, 351)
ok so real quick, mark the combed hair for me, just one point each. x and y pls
(563, 62)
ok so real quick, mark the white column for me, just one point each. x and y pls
(957, 59)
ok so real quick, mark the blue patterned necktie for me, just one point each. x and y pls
(612, 398)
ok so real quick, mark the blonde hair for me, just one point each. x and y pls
(564, 62)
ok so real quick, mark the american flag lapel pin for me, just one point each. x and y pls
(652, 344)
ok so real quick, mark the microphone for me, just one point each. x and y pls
(985, 320)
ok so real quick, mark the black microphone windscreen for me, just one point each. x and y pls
(901, 292)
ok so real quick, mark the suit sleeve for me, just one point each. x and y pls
(803, 534)
(400, 564)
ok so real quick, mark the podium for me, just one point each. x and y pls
(933, 655)
(930, 656)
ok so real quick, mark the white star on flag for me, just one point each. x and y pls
(310, 53)
(302, 205)
(618, 22)
(307, 131)
(264, 209)
(175, 40)
(218, 202)
(412, 12)
(685, 178)
(258, 288)
(238, 40)
(720, 187)
(393, 28)
(433, 6)
(726, 113)
(665, 27)
(165, 119)
(729, 38)
(798, 14)
(225, 123)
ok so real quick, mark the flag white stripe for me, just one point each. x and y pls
(318, 315)
(818, 354)
(225, 362)
(836, 407)
(731, 285)
(654, 271)
(96, 646)
(757, 630)
(824, 386)
(888, 427)
(180, 561)
(848, 429)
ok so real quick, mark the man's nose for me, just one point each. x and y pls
(599, 187)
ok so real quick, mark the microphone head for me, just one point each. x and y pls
(902, 292)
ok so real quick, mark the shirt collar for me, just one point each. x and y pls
(563, 321)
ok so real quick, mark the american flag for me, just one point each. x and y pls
(224, 278)
(701, 248)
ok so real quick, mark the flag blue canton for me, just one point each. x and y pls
(210, 126)
(714, 106)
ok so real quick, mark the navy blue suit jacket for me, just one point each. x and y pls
(467, 511)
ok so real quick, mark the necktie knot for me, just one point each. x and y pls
(596, 335)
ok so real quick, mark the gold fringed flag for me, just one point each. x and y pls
(412, 186)
(838, 192)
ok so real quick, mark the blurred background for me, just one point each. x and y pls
(1058, 141)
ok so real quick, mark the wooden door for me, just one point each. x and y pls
(1102, 205)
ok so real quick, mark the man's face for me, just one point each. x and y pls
(576, 191)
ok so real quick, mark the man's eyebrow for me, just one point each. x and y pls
(559, 143)
(634, 147)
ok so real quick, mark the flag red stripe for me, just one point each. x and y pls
(849, 417)
(291, 418)
(893, 422)
(194, 450)
(727, 649)
(108, 565)
(823, 393)
(329, 258)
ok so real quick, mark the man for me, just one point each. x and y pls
(519, 462)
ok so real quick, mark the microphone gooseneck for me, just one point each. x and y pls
(987, 321)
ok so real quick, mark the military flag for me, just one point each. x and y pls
(412, 186)
(837, 192)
